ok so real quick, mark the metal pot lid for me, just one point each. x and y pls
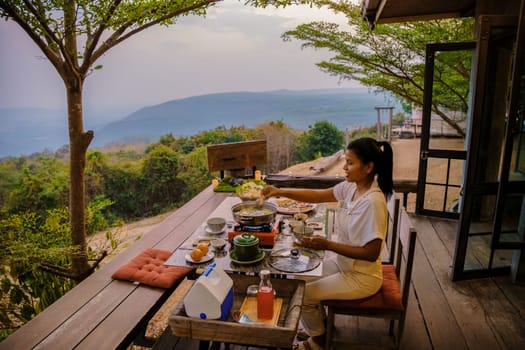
(294, 260)
(246, 239)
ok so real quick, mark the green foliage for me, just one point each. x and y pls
(321, 140)
(124, 187)
(370, 131)
(399, 118)
(392, 56)
(162, 188)
(41, 185)
(28, 240)
(194, 173)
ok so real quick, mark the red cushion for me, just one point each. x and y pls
(388, 298)
(148, 268)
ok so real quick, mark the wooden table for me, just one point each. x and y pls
(288, 286)
(102, 313)
(222, 258)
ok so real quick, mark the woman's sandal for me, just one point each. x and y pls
(307, 345)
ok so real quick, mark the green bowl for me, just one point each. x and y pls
(246, 246)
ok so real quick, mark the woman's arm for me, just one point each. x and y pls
(368, 252)
(300, 194)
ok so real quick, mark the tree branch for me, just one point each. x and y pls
(92, 41)
(50, 54)
(68, 272)
(114, 39)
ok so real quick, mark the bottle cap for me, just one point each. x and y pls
(264, 273)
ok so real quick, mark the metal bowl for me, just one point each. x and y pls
(249, 213)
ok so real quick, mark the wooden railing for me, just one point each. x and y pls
(103, 313)
(403, 186)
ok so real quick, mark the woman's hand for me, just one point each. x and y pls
(315, 242)
(369, 252)
(269, 191)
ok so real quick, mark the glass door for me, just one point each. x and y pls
(491, 205)
(443, 149)
(509, 223)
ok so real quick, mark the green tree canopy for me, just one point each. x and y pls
(321, 140)
(392, 57)
(73, 35)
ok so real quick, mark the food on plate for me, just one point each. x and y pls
(203, 247)
(250, 190)
(290, 206)
(283, 202)
(197, 254)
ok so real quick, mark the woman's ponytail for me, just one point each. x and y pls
(380, 153)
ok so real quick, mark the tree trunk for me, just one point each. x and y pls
(78, 144)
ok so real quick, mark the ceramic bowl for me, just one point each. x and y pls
(218, 243)
(216, 224)
(246, 246)
(299, 233)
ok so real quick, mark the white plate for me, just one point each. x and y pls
(204, 259)
(290, 206)
(210, 232)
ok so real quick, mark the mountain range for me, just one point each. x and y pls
(26, 131)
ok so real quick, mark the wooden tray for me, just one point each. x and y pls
(229, 331)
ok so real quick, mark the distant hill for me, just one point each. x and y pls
(25, 131)
(299, 109)
(28, 130)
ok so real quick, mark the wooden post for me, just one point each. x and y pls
(378, 124)
(390, 117)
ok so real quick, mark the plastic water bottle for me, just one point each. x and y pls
(265, 295)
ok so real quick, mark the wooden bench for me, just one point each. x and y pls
(236, 156)
(102, 313)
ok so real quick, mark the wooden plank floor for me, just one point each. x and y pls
(477, 314)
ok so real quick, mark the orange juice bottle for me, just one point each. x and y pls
(265, 295)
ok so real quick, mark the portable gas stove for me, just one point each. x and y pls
(265, 232)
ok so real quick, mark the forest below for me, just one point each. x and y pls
(124, 183)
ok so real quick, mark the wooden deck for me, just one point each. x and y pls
(107, 314)
(476, 314)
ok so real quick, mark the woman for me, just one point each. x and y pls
(354, 271)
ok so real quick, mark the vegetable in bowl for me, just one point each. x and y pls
(250, 189)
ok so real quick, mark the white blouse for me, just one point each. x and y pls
(360, 222)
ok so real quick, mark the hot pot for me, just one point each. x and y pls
(250, 213)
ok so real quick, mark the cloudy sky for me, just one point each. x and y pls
(235, 48)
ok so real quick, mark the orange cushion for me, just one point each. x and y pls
(388, 298)
(148, 268)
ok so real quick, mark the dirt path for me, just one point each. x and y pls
(125, 235)
(406, 161)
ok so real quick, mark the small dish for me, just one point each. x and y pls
(303, 230)
(218, 243)
(211, 232)
(198, 240)
(204, 259)
(315, 225)
(259, 257)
